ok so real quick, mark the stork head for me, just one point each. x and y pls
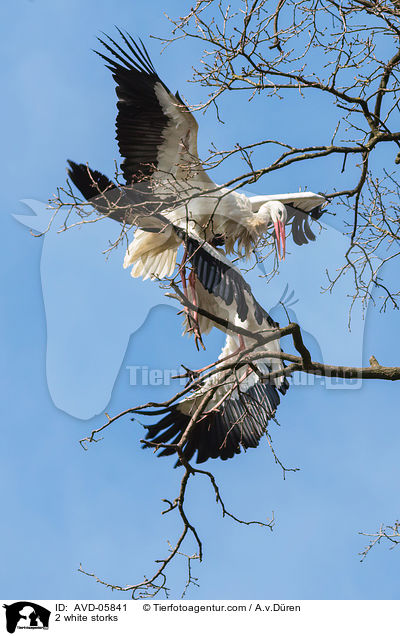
(275, 213)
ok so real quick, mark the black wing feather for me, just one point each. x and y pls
(89, 182)
(140, 119)
(238, 423)
(301, 230)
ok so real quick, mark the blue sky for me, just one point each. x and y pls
(63, 506)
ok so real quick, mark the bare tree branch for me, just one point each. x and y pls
(389, 534)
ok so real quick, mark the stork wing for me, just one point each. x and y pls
(305, 201)
(133, 205)
(300, 206)
(301, 231)
(240, 421)
(155, 130)
(221, 278)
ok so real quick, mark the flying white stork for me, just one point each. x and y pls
(244, 399)
(157, 137)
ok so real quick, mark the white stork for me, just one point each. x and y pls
(157, 137)
(244, 400)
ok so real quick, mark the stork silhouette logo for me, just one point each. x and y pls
(26, 615)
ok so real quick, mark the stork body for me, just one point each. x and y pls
(157, 136)
(244, 400)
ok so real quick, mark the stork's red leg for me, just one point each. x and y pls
(182, 271)
(192, 286)
(191, 318)
(196, 329)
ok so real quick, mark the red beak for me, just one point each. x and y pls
(280, 238)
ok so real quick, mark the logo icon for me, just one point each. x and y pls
(26, 615)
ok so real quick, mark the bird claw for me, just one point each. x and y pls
(198, 340)
(197, 337)
(193, 325)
